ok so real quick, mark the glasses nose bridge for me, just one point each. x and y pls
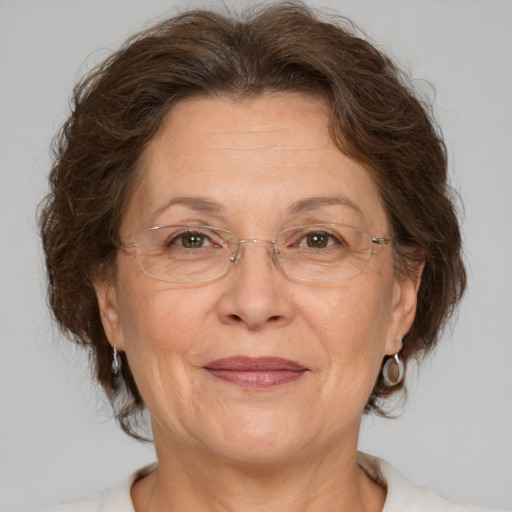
(235, 257)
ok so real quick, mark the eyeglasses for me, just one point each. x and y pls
(196, 253)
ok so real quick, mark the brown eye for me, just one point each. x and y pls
(192, 240)
(189, 240)
(317, 240)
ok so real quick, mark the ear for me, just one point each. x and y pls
(405, 298)
(109, 312)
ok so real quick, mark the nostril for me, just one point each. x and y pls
(237, 319)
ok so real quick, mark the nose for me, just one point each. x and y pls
(257, 292)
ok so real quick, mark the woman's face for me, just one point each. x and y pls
(257, 167)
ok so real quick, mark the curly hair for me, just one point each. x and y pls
(376, 118)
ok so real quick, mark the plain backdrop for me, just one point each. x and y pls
(57, 439)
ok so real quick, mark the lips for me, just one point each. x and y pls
(256, 373)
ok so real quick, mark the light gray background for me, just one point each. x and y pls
(57, 443)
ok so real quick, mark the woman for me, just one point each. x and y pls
(249, 226)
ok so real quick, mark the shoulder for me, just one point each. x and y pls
(403, 496)
(115, 499)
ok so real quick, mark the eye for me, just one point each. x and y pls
(318, 240)
(190, 240)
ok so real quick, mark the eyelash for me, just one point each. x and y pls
(181, 235)
(178, 238)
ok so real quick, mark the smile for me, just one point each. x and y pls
(256, 373)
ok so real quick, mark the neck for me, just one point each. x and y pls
(208, 483)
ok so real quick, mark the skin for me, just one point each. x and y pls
(221, 447)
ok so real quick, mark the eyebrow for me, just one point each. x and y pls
(199, 204)
(312, 203)
(209, 207)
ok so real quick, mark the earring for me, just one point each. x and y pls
(400, 367)
(116, 364)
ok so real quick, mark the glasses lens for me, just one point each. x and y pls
(323, 252)
(184, 253)
(315, 253)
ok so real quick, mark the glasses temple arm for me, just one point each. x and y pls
(380, 241)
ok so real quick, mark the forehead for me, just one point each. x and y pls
(256, 157)
(272, 127)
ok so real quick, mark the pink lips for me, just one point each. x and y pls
(256, 373)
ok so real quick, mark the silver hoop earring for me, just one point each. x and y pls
(385, 371)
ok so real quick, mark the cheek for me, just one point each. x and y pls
(161, 333)
(352, 321)
(156, 319)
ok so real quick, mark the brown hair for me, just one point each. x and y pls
(376, 119)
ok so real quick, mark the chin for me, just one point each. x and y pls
(256, 439)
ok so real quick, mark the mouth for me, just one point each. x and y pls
(256, 373)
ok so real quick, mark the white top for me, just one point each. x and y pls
(402, 496)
